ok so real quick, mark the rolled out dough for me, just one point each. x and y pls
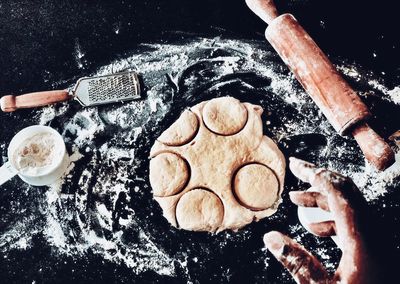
(213, 169)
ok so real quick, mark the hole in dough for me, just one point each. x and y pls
(225, 116)
(181, 131)
(256, 186)
(199, 210)
(169, 174)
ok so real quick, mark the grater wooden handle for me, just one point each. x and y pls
(12, 103)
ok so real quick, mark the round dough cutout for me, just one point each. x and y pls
(225, 116)
(256, 186)
(181, 131)
(169, 174)
(199, 210)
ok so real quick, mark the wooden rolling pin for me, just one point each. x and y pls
(312, 68)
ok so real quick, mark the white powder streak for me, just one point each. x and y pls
(395, 95)
(374, 183)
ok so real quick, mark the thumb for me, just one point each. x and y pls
(303, 266)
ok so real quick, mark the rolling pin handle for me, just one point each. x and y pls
(12, 103)
(375, 149)
(265, 9)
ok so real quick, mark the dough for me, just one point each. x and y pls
(200, 210)
(225, 115)
(256, 186)
(180, 133)
(213, 169)
(172, 174)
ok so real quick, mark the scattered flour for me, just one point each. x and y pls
(373, 183)
(395, 95)
(354, 72)
(105, 158)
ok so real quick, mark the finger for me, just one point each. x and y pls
(305, 171)
(303, 266)
(323, 229)
(346, 204)
(343, 197)
(346, 223)
(309, 199)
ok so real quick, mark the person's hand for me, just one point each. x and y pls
(337, 194)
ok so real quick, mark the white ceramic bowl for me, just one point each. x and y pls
(59, 164)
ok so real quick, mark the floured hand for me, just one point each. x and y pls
(339, 195)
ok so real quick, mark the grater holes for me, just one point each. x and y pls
(112, 88)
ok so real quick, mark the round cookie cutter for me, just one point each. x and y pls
(308, 215)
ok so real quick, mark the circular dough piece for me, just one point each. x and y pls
(199, 210)
(181, 131)
(225, 116)
(256, 186)
(169, 173)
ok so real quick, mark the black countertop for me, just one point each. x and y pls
(38, 39)
(50, 44)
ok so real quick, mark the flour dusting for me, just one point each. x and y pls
(103, 205)
(373, 183)
(394, 94)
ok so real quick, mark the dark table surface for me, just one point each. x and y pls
(49, 44)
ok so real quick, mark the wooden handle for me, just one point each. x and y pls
(265, 9)
(340, 104)
(12, 103)
(313, 69)
(375, 149)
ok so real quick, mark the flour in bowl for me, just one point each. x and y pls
(36, 155)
